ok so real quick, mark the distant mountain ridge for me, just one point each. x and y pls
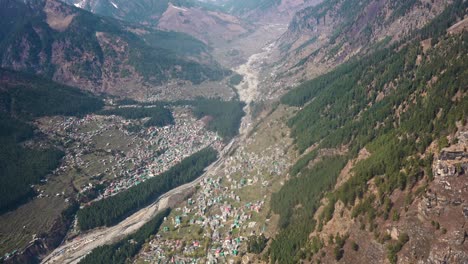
(137, 11)
(187, 16)
(226, 20)
(99, 54)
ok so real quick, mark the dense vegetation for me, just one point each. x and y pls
(28, 96)
(256, 244)
(225, 115)
(236, 79)
(23, 97)
(115, 208)
(159, 115)
(20, 167)
(158, 65)
(297, 202)
(127, 248)
(394, 103)
(176, 42)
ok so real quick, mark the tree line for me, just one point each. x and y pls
(296, 204)
(22, 98)
(224, 116)
(124, 250)
(112, 210)
(158, 114)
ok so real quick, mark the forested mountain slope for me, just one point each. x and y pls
(381, 126)
(324, 36)
(22, 98)
(364, 161)
(226, 20)
(99, 54)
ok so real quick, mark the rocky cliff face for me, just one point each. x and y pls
(102, 55)
(433, 215)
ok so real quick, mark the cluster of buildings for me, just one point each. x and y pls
(216, 216)
(213, 226)
(109, 154)
(164, 147)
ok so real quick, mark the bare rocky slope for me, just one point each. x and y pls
(226, 20)
(191, 17)
(195, 21)
(321, 37)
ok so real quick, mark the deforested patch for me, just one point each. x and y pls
(58, 18)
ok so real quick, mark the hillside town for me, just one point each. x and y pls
(215, 224)
(112, 154)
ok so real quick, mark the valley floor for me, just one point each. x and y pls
(272, 160)
(362, 198)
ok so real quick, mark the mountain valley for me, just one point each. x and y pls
(222, 131)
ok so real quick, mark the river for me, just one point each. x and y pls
(73, 251)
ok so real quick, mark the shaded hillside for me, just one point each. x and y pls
(23, 97)
(397, 105)
(102, 55)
